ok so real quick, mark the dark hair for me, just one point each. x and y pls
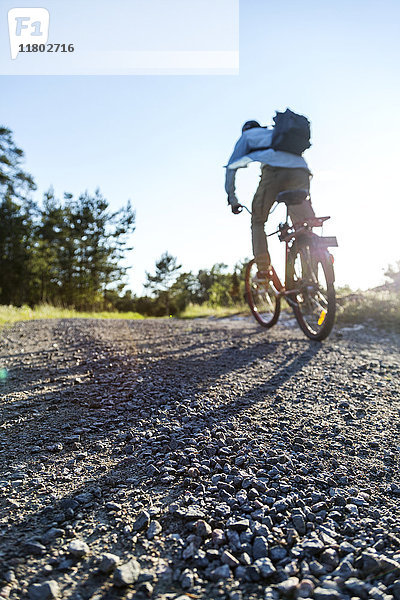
(250, 125)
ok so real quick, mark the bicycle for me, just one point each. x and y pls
(309, 276)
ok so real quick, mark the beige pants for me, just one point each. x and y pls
(274, 180)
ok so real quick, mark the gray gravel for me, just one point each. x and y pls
(198, 459)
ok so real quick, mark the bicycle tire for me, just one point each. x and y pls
(264, 302)
(315, 305)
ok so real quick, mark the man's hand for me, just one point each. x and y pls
(236, 208)
(235, 205)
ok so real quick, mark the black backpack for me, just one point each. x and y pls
(291, 132)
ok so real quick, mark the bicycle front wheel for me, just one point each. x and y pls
(310, 273)
(262, 297)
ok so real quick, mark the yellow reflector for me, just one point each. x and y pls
(322, 317)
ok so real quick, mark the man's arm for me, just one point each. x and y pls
(234, 203)
(230, 187)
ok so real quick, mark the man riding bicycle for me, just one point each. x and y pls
(280, 171)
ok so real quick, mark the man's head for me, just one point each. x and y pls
(250, 125)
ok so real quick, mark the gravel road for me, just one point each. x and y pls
(198, 459)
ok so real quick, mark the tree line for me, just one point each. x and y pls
(70, 252)
(64, 252)
(171, 291)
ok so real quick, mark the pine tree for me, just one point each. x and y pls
(15, 184)
(160, 283)
(48, 240)
(100, 245)
(88, 243)
(16, 222)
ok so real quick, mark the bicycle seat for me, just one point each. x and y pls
(290, 197)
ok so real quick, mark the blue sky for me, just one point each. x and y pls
(162, 140)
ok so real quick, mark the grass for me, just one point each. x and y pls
(381, 309)
(11, 314)
(195, 311)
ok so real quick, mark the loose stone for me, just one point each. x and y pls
(238, 524)
(260, 547)
(108, 562)
(321, 593)
(154, 529)
(127, 573)
(187, 579)
(288, 586)
(202, 528)
(305, 588)
(113, 506)
(44, 591)
(220, 573)
(265, 566)
(299, 524)
(34, 548)
(228, 559)
(142, 522)
(78, 548)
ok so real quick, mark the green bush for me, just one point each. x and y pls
(380, 308)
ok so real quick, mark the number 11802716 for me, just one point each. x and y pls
(46, 48)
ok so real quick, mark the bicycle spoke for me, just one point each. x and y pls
(262, 297)
(313, 296)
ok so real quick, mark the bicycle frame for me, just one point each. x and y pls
(288, 233)
(309, 274)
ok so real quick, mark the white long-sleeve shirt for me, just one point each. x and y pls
(254, 145)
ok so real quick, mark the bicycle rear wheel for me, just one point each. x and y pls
(262, 297)
(310, 272)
